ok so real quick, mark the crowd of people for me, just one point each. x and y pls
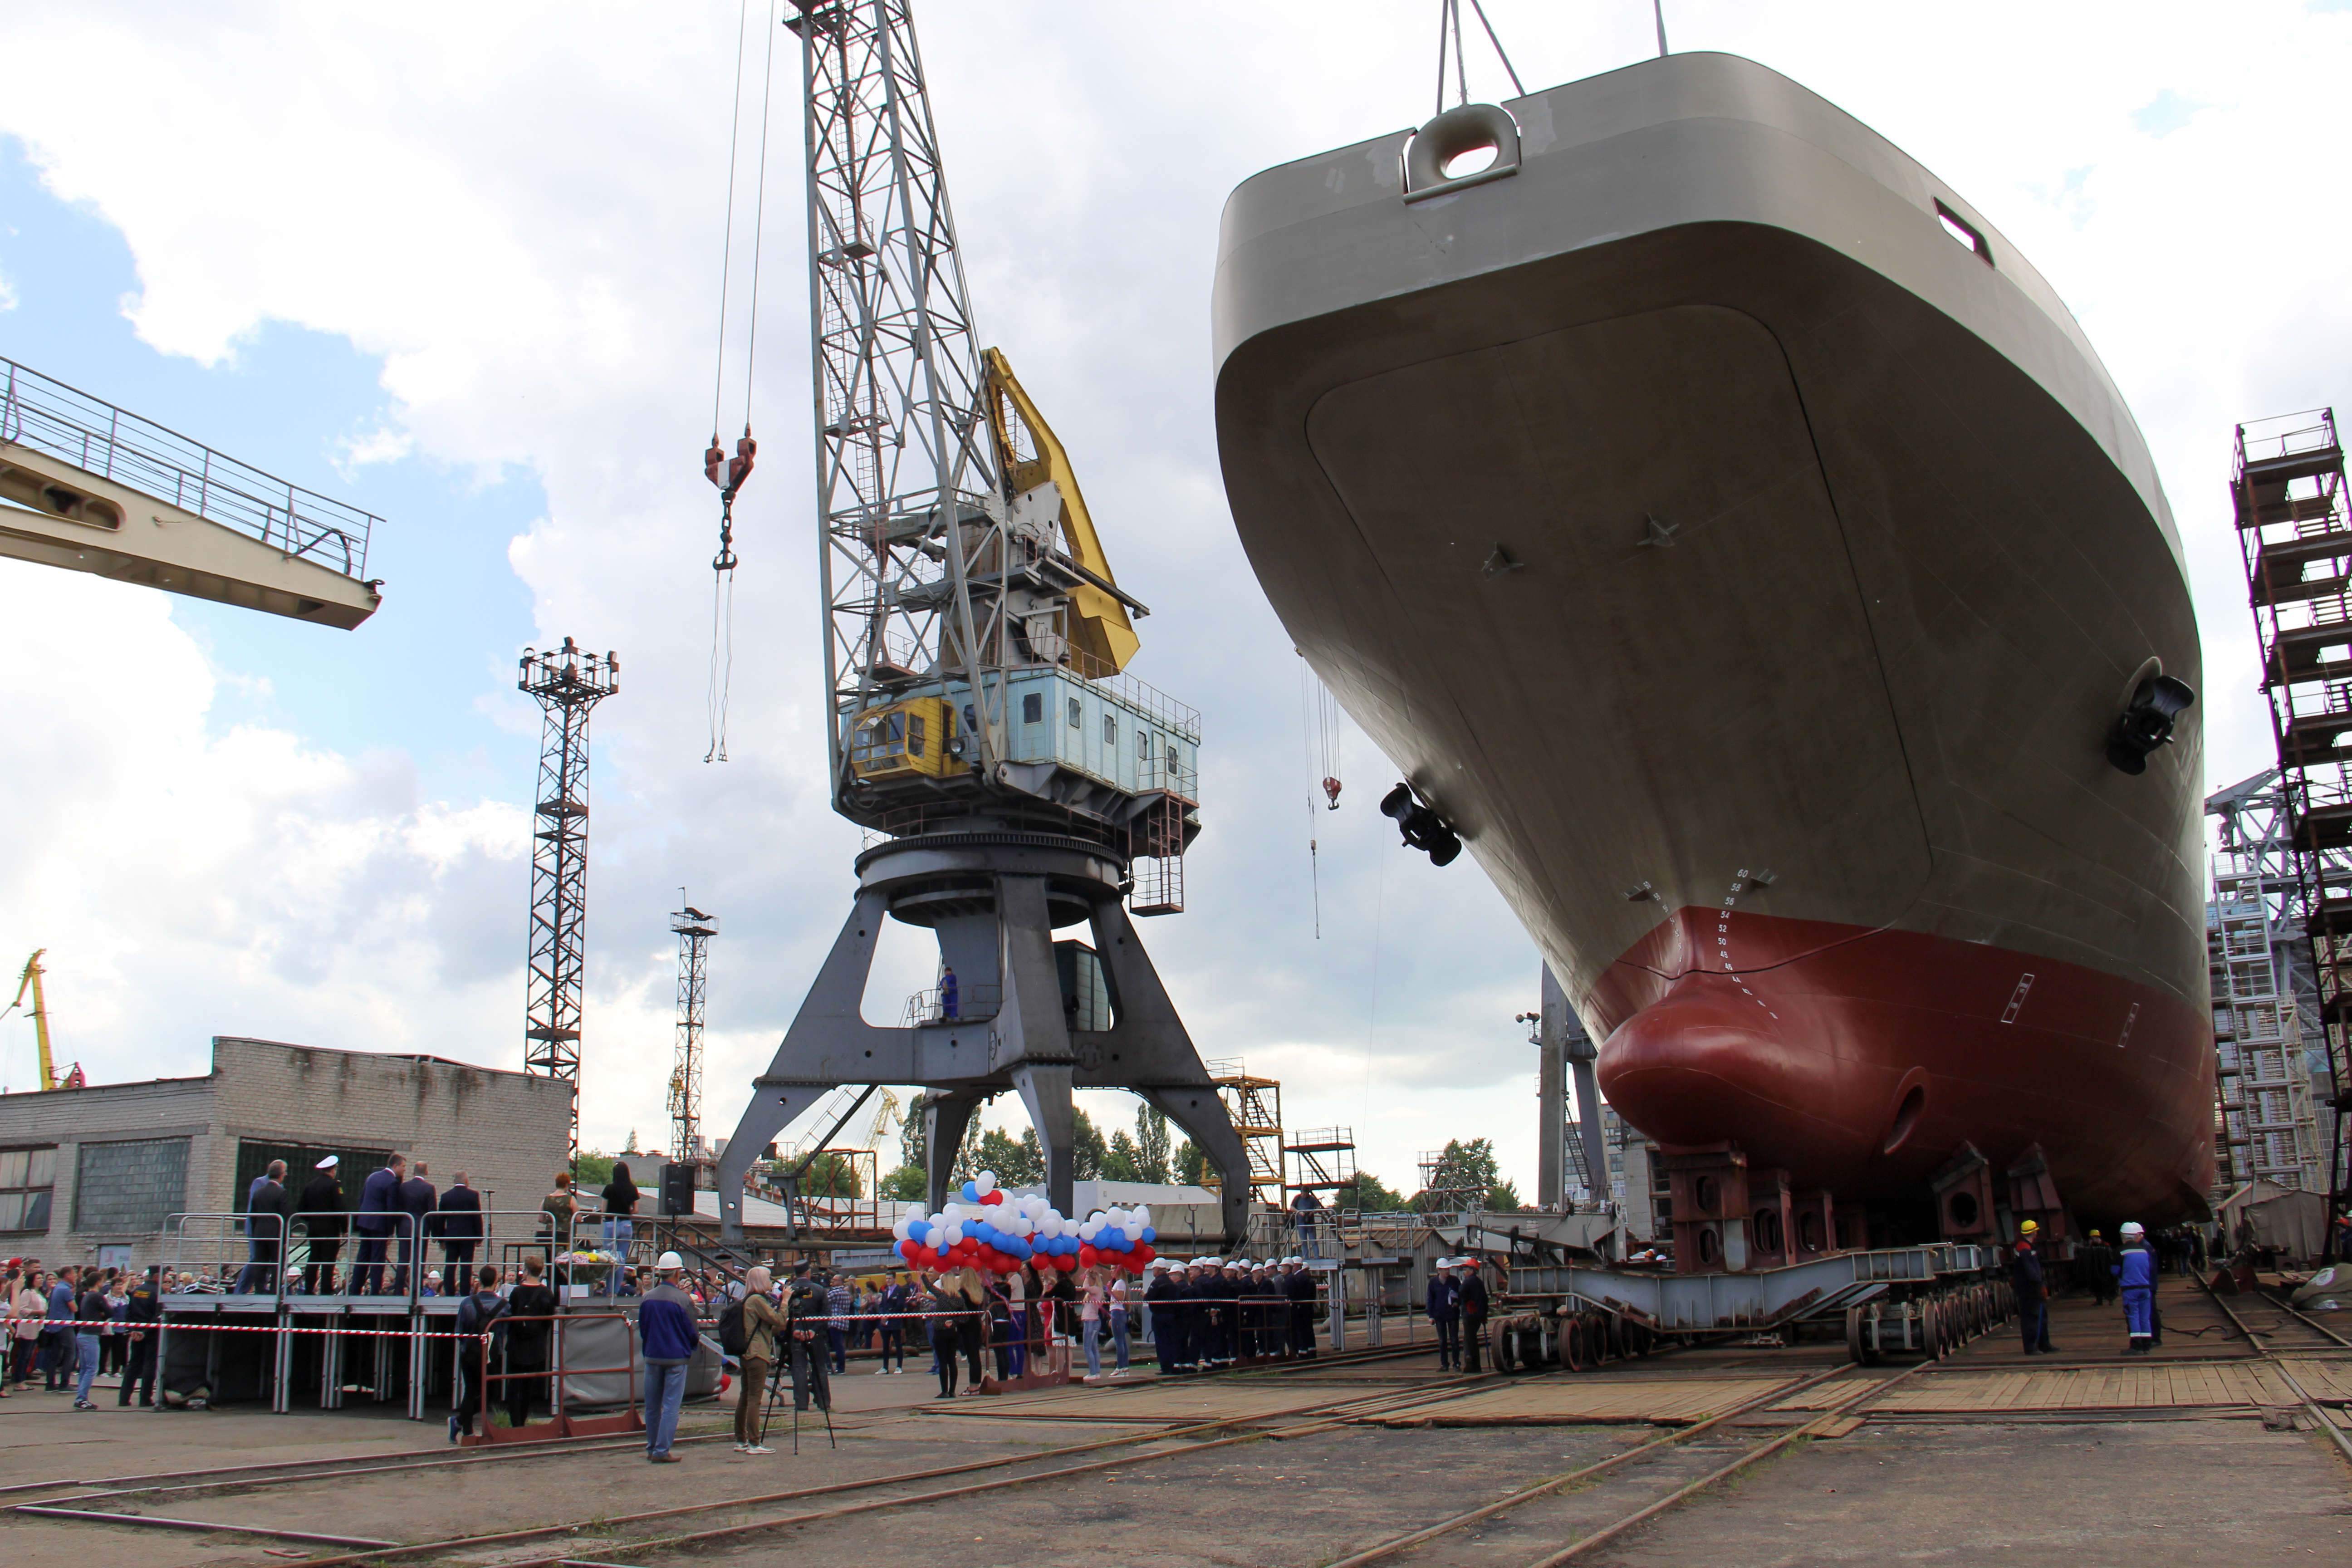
(70, 1326)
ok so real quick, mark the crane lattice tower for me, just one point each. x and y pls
(982, 724)
(568, 683)
(694, 931)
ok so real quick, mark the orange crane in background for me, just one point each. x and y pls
(32, 980)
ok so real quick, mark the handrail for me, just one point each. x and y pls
(404, 1239)
(94, 436)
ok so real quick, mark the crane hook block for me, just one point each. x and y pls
(735, 469)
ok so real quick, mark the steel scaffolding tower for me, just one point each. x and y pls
(2295, 534)
(568, 684)
(2264, 1009)
(694, 931)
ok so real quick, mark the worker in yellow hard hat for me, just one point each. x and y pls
(2031, 1290)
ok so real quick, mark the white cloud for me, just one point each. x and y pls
(518, 207)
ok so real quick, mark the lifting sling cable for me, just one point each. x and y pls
(1305, 755)
(1327, 728)
(1449, 27)
(729, 474)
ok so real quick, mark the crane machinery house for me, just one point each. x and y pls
(1063, 733)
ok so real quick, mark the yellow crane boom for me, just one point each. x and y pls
(31, 980)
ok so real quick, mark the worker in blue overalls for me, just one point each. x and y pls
(948, 998)
(2136, 1274)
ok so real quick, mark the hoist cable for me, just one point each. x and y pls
(726, 245)
(758, 220)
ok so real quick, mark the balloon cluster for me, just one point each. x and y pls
(986, 1229)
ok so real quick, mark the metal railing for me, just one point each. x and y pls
(214, 1254)
(94, 436)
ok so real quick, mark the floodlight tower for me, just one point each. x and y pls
(568, 684)
(980, 727)
(694, 931)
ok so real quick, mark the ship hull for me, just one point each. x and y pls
(1692, 517)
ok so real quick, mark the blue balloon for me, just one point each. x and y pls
(918, 1229)
(970, 1192)
(971, 1228)
(1150, 1235)
(898, 1249)
(1111, 1240)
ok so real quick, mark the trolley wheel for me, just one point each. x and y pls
(1505, 1346)
(1573, 1349)
(1857, 1346)
(1616, 1328)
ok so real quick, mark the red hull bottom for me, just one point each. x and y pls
(1861, 1060)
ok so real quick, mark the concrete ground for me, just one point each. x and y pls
(2186, 1488)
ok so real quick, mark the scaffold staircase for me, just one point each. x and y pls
(1255, 1106)
(2266, 1124)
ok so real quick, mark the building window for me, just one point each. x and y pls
(1110, 730)
(128, 1187)
(26, 1176)
(1143, 745)
(1074, 720)
(1032, 707)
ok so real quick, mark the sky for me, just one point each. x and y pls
(460, 266)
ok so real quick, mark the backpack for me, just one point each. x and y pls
(733, 1338)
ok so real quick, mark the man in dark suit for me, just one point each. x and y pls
(265, 1208)
(418, 1198)
(459, 1222)
(1300, 1288)
(378, 1202)
(322, 1216)
(1474, 1303)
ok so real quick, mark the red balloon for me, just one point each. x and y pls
(1067, 1262)
(993, 1196)
(1141, 1253)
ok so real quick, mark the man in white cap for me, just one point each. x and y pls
(1163, 1305)
(322, 1213)
(1446, 1314)
(1300, 1288)
(666, 1328)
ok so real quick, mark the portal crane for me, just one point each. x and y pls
(31, 981)
(982, 724)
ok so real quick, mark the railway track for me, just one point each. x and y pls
(2278, 1320)
(1192, 1438)
(914, 1489)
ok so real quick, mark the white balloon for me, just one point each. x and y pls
(1090, 1230)
(1142, 1216)
(984, 1184)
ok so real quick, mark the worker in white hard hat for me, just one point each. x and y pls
(2136, 1272)
(666, 1329)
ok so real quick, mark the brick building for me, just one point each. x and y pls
(89, 1175)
